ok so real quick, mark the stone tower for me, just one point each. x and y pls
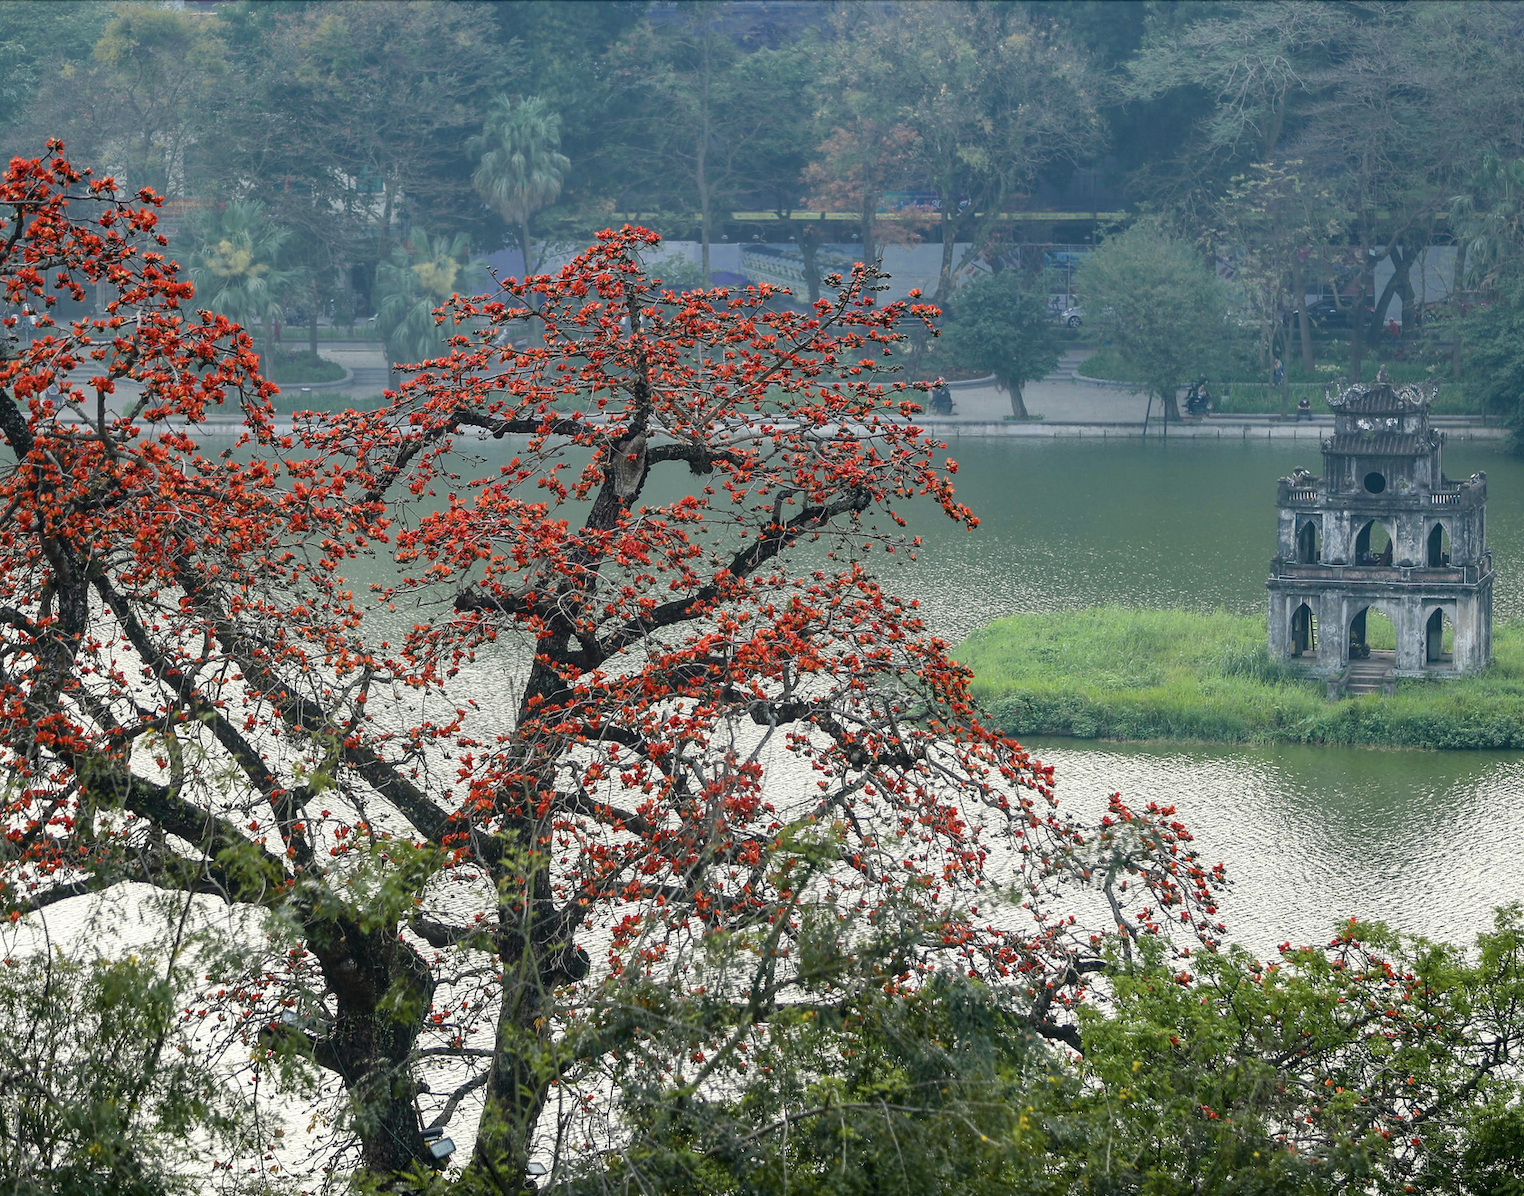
(1383, 530)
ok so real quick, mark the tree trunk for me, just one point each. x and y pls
(949, 243)
(809, 243)
(528, 243)
(1018, 403)
(516, 1091)
(701, 157)
(383, 991)
(1299, 298)
(1402, 265)
(1357, 322)
(1457, 284)
(1169, 406)
(870, 247)
(312, 318)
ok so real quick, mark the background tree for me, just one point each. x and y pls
(1494, 339)
(421, 276)
(992, 97)
(521, 165)
(389, 95)
(1264, 224)
(43, 42)
(1158, 303)
(993, 326)
(236, 265)
(691, 114)
(1257, 63)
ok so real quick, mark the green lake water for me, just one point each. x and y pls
(1428, 841)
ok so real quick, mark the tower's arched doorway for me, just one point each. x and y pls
(1439, 547)
(1373, 544)
(1439, 638)
(1304, 632)
(1371, 631)
(1309, 544)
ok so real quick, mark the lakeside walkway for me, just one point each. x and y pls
(1070, 406)
(1073, 406)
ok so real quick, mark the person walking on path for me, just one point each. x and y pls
(1278, 375)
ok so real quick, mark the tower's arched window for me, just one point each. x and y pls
(1309, 544)
(1439, 638)
(1373, 544)
(1439, 547)
(1304, 632)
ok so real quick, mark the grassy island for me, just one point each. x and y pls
(1118, 673)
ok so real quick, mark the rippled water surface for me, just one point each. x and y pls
(1428, 841)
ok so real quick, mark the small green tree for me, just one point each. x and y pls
(1159, 304)
(100, 1091)
(418, 277)
(993, 326)
(236, 266)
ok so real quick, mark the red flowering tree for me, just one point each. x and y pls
(553, 711)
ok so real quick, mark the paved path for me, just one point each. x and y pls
(1070, 406)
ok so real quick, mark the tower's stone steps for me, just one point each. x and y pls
(1371, 676)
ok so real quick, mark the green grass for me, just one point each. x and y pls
(293, 369)
(1116, 673)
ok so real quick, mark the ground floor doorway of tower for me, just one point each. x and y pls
(1439, 638)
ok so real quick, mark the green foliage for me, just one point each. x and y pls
(1494, 339)
(677, 273)
(419, 277)
(236, 263)
(1369, 1064)
(302, 367)
(993, 327)
(927, 1092)
(1116, 673)
(520, 164)
(38, 39)
(1158, 302)
(101, 1090)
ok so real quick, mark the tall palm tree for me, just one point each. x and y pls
(235, 265)
(418, 277)
(521, 164)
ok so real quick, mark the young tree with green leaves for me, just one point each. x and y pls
(101, 1087)
(421, 275)
(1159, 304)
(1264, 223)
(992, 326)
(236, 265)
